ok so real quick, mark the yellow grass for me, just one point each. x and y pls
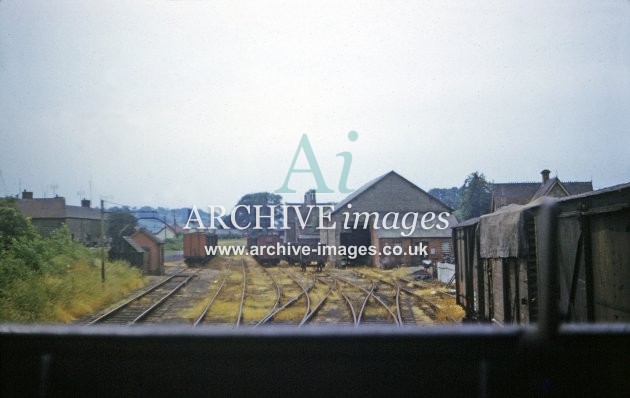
(65, 296)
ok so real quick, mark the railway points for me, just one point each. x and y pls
(238, 291)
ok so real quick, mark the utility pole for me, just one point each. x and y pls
(102, 242)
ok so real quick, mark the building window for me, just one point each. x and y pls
(446, 248)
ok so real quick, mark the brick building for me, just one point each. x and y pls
(389, 193)
(153, 258)
(48, 214)
(521, 193)
(309, 234)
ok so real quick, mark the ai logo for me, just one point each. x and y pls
(305, 146)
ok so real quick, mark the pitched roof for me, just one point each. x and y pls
(371, 184)
(514, 192)
(147, 233)
(578, 187)
(83, 212)
(133, 244)
(174, 228)
(43, 208)
(55, 208)
(359, 191)
(522, 193)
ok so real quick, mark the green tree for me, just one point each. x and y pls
(13, 224)
(263, 199)
(449, 196)
(120, 223)
(476, 197)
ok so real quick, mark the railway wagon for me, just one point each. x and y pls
(579, 246)
(305, 254)
(195, 247)
(267, 247)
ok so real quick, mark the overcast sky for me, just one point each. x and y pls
(175, 103)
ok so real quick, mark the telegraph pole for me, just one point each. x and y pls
(102, 242)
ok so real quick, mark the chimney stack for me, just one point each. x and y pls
(545, 175)
(27, 194)
(85, 203)
(310, 198)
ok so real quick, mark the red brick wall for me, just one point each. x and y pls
(155, 265)
(434, 251)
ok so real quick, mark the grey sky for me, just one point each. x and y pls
(175, 103)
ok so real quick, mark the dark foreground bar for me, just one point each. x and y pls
(174, 361)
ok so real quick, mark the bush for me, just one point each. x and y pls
(54, 279)
(174, 244)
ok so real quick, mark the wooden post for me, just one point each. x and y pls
(102, 242)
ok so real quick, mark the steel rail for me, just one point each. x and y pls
(320, 304)
(433, 305)
(290, 302)
(214, 297)
(305, 290)
(423, 285)
(367, 298)
(286, 305)
(131, 300)
(354, 314)
(400, 320)
(376, 297)
(164, 298)
(278, 297)
(348, 301)
(240, 311)
(419, 297)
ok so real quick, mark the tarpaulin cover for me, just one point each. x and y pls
(501, 233)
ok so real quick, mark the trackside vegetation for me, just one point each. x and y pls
(53, 279)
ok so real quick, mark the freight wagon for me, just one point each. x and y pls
(577, 248)
(267, 247)
(195, 247)
(305, 254)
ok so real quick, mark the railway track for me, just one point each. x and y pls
(305, 289)
(404, 309)
(356, 297)
(410, 308)
(425, 285)
(263, 294)
(405, 299)
(139, 307)
(330, 305)
(294, 302)
(251, 295)
(428, 306)
(376, 307)
(225, 308)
